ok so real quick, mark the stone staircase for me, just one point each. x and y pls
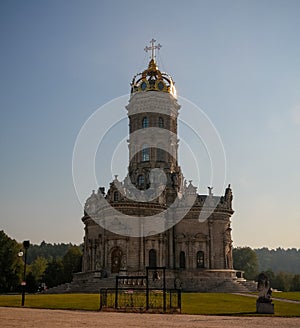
(251, 285)
(92, 282)
(234, 286)
(81, 286)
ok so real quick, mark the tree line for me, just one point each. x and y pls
(54, 264)
(48, 265)
(281, 266)
(279, 259)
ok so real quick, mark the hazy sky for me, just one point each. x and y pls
(239, 61)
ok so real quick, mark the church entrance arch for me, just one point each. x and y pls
(152, 258)
(116, 259)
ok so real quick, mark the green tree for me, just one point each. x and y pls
(11, 265)
(283, 281)
(245, 259)
(54, 273)
(38, 268)
(47, 250)
(72, 262)
(279, 258)
(31, 283)
(36, 271)
(296, 283)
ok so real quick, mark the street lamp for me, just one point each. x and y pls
(26, 244)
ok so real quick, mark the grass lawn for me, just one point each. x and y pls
(217, 303)
(229, 304)
(54, 301)
(192, 303)
(290, 295)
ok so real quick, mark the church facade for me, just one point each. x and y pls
(154, 217)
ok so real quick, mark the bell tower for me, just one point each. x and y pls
(153, 140)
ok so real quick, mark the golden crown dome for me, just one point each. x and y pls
(152, 79)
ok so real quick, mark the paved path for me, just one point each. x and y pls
(36, 318)
(273, 298)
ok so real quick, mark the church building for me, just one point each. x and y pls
(154, 217)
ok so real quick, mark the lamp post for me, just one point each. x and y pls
(26, 244)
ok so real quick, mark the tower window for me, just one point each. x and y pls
(160, 122)
(116, 196)
(145, 122)
(160, 153)
(145, 153)
(200, 259)
(141, 180)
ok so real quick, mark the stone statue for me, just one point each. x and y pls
(184, 184)
(174, 179)
(264, 301)
(91, 204)
(228, 248)
(101, 191)
(228, 194)
(263, 288)
(98, 266)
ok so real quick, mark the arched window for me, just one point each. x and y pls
(160, 153)
(182, 260)
(145, 122)
(152, 258)
(116, 196)
(141, 180)
(145, 153)
(200, 259)
(160, 122)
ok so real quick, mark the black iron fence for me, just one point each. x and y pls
(142, 293)
(140, 299)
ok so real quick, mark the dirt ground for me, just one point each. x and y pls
(18, 317)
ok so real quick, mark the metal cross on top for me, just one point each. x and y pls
(152, 48)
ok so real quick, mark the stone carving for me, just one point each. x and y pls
(116, 260)
(174, 179)
(264, 290)
(228, 194)
(91, 204)
(228, 248)
(101, 191)
(264, 301)
(177, 283)
(191, 190)
(98, 265)
(124, 262)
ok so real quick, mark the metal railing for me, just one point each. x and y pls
(140, 300)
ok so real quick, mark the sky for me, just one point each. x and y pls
(238, 61)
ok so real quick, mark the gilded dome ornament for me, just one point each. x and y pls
(152, 79)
